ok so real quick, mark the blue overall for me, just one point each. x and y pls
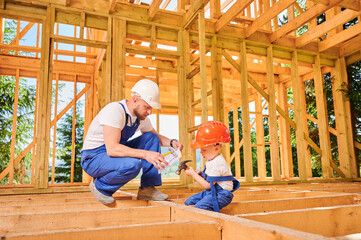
(111, 173)
(214, 198)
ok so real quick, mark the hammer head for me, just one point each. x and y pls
(182, 166)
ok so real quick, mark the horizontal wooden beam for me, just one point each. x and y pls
(27, 223)
(170, 230)
(152, 52)
(61, 207)
(331, 221)
(287, 204)
(81, 42)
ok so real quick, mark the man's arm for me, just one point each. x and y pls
(165, 142)
(112, 137)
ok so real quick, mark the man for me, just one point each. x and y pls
(112, 159)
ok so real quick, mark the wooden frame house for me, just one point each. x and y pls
(211, 59)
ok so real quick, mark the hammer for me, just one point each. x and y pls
(182, 166)
(171, 151)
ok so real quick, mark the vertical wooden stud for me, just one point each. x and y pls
(2, 29)
(54, 131)
(35, 127)
(153, 37)
(275, 159)
(82, 24)
(72, 166)
(307, 149)
(118, 59)
(203, 67)
(158, 110)
(285, 133)
(302, 173)
(227, 146)
(237, 157)
(41, 168)
(108, 64)
(261, 157)
(13, 134)
(215, 8)
(321, 105)
(246, 128)
(217, 82)
(185, 98)
(347, 162)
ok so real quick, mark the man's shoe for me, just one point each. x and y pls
(100, 196)
(151, 193)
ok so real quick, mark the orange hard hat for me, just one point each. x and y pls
(211, 132)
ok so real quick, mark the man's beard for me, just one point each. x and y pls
(139, 116)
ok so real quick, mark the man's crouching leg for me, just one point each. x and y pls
(150, 177)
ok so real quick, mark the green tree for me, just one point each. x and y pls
(24, 125)
(63, 147)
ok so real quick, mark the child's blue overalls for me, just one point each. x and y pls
(111, 173)
(214, 198)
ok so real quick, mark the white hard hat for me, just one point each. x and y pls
(148, 91)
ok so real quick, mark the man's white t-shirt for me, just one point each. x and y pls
(112, 115)
(217, 168)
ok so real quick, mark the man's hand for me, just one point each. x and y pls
(177, 145)
(156, 159)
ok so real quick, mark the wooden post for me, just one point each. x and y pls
(181, 5)
(237, 157)
(82, 24)
(203, 67)
(89, 106)
(261, 157)
(108, 65)
(118, 59)
(185, 98)
(35, 127)
(227, 145)
(158, 110)
(344, 141)
(41, 168)
(54, 130)
(302, 172)
(307, 149)
(215, 8)
(246, 128)
(275, 156)
(72, 166)
(217, 82)
(324, 134)
(285, 133)
(2, 29)
(13, 135)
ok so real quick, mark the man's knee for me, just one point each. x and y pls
(151, 136)
(131, 167)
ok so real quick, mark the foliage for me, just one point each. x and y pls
(64, 148)
(24, 125)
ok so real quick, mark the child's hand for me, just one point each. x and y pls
(199, 172)
(190, 171)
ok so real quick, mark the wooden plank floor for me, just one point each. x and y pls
(297, 211)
